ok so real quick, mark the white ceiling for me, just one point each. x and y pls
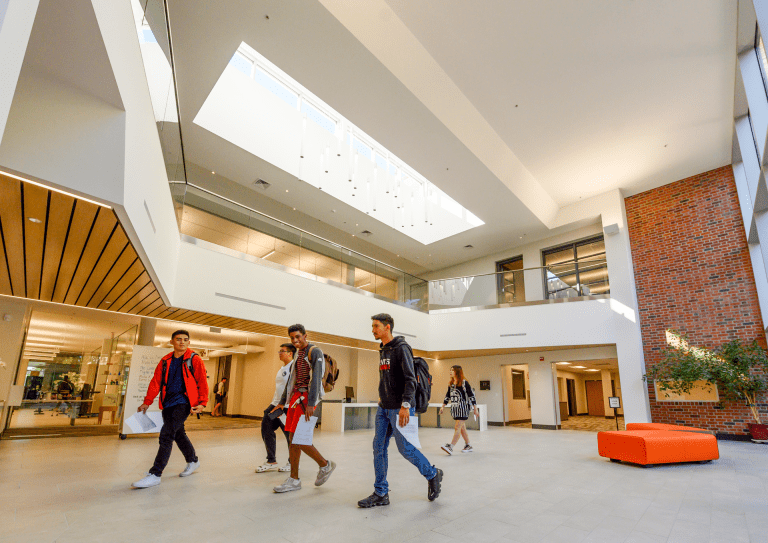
(601, 87)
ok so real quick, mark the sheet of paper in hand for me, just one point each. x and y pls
(411, 431)
(304, 431)
(141, 423)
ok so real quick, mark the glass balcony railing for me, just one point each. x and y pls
(209, 217)
(507, 287)
(215, 219)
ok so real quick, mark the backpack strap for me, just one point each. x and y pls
(162, 378)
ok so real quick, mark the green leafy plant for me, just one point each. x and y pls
(738, 370)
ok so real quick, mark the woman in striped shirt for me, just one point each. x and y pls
(462, 400)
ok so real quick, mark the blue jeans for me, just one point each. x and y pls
(386, 420)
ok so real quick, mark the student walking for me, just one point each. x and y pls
(397, 388)
(301, 396)
(181, 382)
(219, 393)
(462, 400)
(271, 420)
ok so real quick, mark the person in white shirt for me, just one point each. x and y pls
(269, 424)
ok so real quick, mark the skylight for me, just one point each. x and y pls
(261, 109)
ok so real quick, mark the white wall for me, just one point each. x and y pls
(16, 19)
(317, 306)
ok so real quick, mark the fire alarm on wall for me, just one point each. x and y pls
(541, 359)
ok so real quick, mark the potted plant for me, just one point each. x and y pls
(739, 371)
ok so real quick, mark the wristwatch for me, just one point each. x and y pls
(406, 405)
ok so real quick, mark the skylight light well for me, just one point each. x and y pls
(261, 109)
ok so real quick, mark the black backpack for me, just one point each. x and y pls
(423, 385)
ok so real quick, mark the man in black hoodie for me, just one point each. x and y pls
(397, 386)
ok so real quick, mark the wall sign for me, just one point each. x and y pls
(614, 402)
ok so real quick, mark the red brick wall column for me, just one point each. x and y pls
(693, 274)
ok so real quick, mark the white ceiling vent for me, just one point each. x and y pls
(261, 184)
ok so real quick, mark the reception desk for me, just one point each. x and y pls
(341, 417)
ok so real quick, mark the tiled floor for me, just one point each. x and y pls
(584, 423)
(520, 485)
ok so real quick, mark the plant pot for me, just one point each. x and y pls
(759, 432)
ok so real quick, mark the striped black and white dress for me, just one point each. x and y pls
(462, 400)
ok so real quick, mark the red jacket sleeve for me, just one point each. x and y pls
(202, 380)
(154, 385)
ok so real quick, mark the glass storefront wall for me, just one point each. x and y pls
(74, 370)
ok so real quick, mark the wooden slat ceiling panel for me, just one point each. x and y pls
(80, 255)
(10, 211)
(116, 247)
(59, 213)
(79, 232)
(5, 277)
(131, 276)
(140, 283)
(35, 209)
(119, 268)
(104, 227)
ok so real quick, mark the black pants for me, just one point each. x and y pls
(173, 430)
(268, 428)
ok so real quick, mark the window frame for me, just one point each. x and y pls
(574, 245)
(500, 276)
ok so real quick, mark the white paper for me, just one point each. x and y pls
(304, 431)
(410, 431)
(140, 423)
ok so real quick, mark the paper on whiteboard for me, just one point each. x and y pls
(304, 431)
(141, 423)
(410, 431)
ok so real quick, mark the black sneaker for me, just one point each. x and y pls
(374, 500)
(433, 490)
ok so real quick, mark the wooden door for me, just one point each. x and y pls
(595, 406)
(571, 386)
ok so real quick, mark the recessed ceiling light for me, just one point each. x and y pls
(580, 367)
(34, 220)
(286, 190)
(593, 370)
(563, 363)
(107, 303)
(294, 209)
(214, 173)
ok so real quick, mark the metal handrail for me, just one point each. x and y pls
(303, 231)
(520, 270)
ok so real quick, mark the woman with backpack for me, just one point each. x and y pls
(462, 400)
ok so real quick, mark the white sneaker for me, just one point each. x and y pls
(148, 481)
(286, 468)
(288, 485)
(266, 467)
(447, 448)
(190, 469)
(325, 472)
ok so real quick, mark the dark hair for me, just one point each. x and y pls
(290, 347)
(459, 375)
(385, 319)
(225, 378)
(177, 332)
(296, 328)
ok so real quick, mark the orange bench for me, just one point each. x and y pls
(659, 426)
(648, 447)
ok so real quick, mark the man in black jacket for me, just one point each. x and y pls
(397, 386)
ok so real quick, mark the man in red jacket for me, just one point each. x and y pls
(181, 381)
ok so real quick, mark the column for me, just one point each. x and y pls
(545, 408)
(147, 329)
(14, 317)
(605, 375)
